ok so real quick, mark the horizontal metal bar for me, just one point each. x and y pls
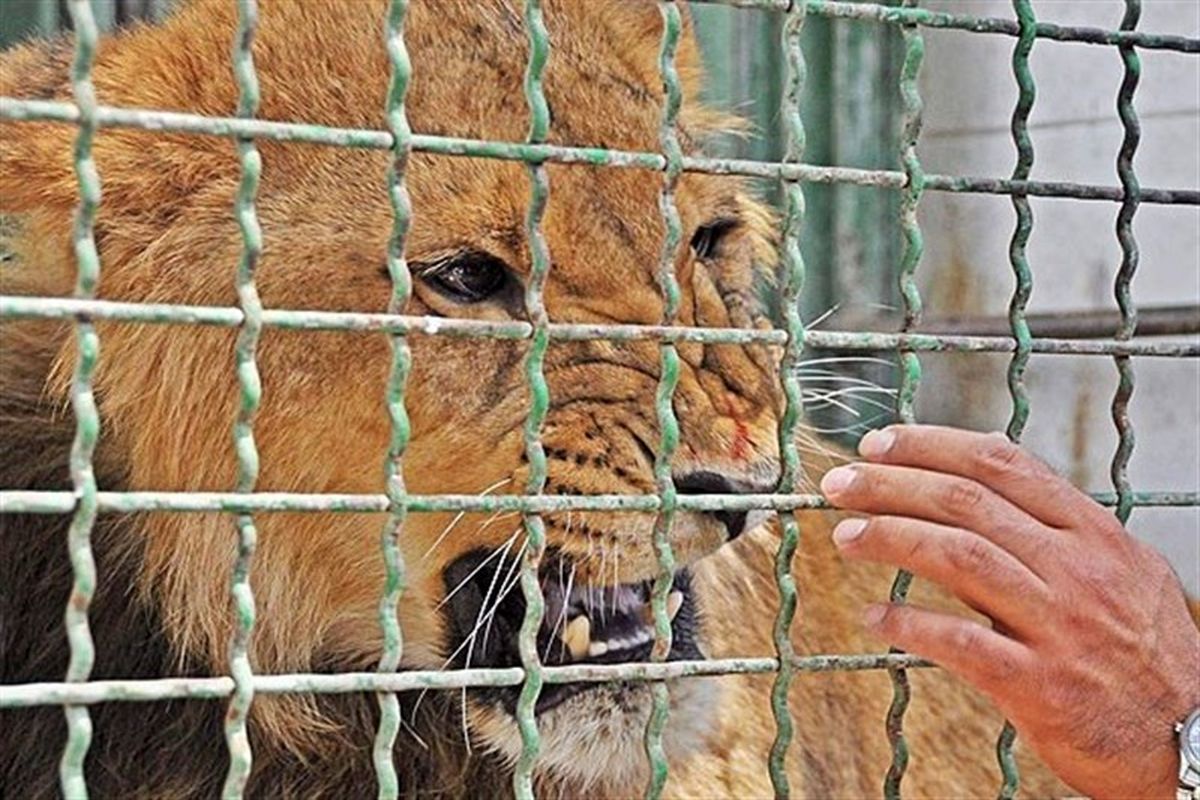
(934, 343)
(159, 689)
(51, 502)
(1178, 320)
(62, 308)
(37, 502)
(16, 110)
(935, 19)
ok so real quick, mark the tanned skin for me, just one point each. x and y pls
(167, 395)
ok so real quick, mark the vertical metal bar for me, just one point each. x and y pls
(539, 401)
(1019, 325)
(1020, 200)
(791, 282)
(664, 397)
(914, 247)
(242, 597)
(393, 558)
(83, 402)
(1129, 261)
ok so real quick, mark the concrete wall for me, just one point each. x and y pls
(970, 92)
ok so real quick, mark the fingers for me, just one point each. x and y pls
(978, 655)
(937, 497)
(987, 458)
(977, 571)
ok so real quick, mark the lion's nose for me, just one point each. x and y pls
(705, 482)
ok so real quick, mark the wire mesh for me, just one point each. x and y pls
(75, 693)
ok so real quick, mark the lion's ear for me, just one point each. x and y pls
(36, 168)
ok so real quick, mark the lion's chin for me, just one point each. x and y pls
(594, 741)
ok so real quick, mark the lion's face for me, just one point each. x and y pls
(323, 425)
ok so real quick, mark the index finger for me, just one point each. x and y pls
(989, 458)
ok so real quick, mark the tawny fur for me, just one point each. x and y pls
(168, 393)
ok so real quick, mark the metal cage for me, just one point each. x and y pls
(76, 693)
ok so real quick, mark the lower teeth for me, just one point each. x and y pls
(576, 637)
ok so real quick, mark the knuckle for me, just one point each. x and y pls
(962, 495)
(972, 556)
(965, 638)
(998, 458)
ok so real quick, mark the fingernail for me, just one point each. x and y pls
(848, 530)
(873, 615)
(838, 480)
(876, 443)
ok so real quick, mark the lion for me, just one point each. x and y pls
(168, 396)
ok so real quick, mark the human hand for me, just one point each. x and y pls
(1092, 654)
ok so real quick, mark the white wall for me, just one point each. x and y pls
(969, 91)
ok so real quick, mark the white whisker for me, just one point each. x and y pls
(458, 517)
(562, 614)
(506, 586)
(828, 313)
(465, 733)
(464, 581)
(844, 360)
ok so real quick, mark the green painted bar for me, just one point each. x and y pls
(382, 752)
(892, 15)
(145, 119)
(158, 689)
(534, 547)
(83, 404)
(664, 396)
(49, 502)
(1022, 290)
(910, 364)
(66, 309)
(237, 737)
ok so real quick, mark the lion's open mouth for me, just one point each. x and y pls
(484, 608)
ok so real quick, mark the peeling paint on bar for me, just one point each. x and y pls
(16, 110)
(159, 689)
(14, 307)
(36, 502)
(873, 12)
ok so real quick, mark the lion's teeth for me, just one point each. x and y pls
(597, 649)
(577, 635)
(674, 603)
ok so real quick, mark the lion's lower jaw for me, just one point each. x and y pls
(594, 742)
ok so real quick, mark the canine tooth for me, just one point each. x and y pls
(674, 603)
(597, 649)
(577, 635)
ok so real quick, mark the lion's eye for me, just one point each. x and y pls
(707, 238)
(470, 277)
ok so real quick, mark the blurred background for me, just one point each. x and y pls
(852, 239)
